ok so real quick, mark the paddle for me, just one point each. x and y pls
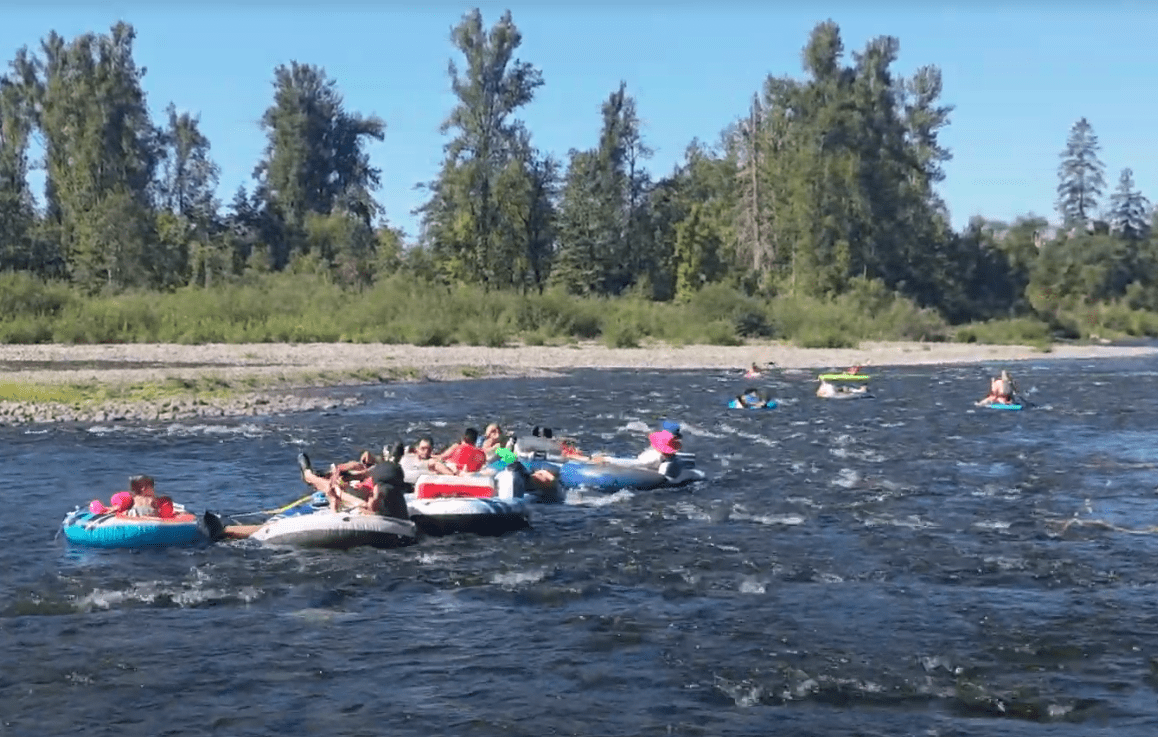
(1019, 397)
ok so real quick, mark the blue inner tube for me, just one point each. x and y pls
(534, 464)
(1003, 406)
(609, 477)
(108, 531)
(734, 404)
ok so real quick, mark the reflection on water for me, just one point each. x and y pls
(893, 566)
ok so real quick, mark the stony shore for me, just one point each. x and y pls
(224, 380)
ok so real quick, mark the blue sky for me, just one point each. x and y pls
(1019, 76)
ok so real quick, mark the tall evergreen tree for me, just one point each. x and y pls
(16, 205)
(587, 230)
(188, 175)
(315, 161)
(604, 220)
(528, 188)
(464, 222)
(772, 151)
(187, 222)
(698, 251)
(932, 248)
(823, 191)
(1129, 209)
(837, 174)
(248, 231)
(751, 140)
(1081, 176)
(638, 250)
(704, 242)
(101, 151)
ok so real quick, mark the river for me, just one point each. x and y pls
(886, 566)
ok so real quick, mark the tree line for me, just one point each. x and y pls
(829, 180)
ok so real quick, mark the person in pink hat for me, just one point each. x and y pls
(664, 444)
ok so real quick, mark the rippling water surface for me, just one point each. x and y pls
(889, 566)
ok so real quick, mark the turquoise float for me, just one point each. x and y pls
(735, 404)
(82, 527)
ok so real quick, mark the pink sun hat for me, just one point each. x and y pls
(661, 440)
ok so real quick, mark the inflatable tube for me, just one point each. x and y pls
(735, 404)
(540, 449)
(324, 528)
(996, 405)
(535, 447)
(474, 503)
(412, 468)
(844, 377)
(477, 515)
(847, 395)
(505, 484)
(109, 530)
(611, 476)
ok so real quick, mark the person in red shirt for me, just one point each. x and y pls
(462, 457)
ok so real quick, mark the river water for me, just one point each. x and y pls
(886, 566)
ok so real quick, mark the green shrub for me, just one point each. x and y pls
(621, 334)
(722, 332)
(489, 334)
(753, 324)
(822, 337)
(428, 334)
(1017, 331)
(404, 308)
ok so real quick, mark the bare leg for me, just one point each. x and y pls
(335, 495)
(240, 532)
(342, 500)
(316, 482)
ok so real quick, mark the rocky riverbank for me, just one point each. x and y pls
(145, 382)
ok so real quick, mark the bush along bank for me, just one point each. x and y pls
(295, 308)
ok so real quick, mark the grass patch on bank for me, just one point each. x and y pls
(67, 394)
(87, 395)
(207, 389)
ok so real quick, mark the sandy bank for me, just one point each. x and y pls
(66, 363)
(282, 368)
